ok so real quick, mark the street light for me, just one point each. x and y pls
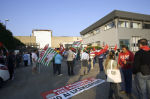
(6, 22)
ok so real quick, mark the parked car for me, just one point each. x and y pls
(4, 74)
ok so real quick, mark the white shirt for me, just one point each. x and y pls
(34, 56)
(84, 56)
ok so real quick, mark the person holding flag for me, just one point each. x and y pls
(101, 57)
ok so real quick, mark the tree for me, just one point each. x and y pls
(7, 38)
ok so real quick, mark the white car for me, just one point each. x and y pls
(4, 74)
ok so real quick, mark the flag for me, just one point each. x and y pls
(48, 56)
(115, 47)
(76, 44)
(102, 50)
(42, 52)
(94, 49)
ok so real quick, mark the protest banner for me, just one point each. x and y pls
(72, 89)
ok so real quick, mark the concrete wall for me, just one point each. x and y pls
(107, 36)
(127, 33)
(63, 40)
(43, 37)
(27, 39)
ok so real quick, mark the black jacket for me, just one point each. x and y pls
(142, 62)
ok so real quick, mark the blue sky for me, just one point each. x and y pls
(63, 17)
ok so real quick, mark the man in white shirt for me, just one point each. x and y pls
(84, 63)
(34, 61)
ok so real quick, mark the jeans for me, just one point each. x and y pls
(126, 84)
(143, 85)
(113, 90)
(101, 64)
(58, 68)
(25, 62)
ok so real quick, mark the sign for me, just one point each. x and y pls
(72, 89)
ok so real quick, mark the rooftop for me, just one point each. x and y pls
(117, 14)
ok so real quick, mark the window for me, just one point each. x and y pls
(135, 25)
(124, 42)
(109, 25)
(146, 26)
(123, 24)
(97, 30)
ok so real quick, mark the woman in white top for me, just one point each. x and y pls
(107, 65)
(34, 61)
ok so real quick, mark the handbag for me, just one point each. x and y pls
(113, 75)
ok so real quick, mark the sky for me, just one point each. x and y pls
(63, 17)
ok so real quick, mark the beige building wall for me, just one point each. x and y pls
(27, 39)
(63, 40)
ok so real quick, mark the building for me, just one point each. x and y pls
(65, 40)
(28, 41)
(43, 37)
(40, 38)
(118, 27)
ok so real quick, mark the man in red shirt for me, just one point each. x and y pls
(125, 61)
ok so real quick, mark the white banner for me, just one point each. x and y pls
(72, 89)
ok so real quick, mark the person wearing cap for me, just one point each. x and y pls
(58, 60)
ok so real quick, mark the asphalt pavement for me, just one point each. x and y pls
(30, 86)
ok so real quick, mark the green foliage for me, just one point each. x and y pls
(7, 38)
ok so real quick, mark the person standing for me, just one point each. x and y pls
(78, 54)
(70, 58)
(84, 63)
(107, 65)
(25, 59)
(92, 55)
(11, 64)
(18, 59)
(101, 59)
(34, 61)
(141, 68)
(125, 61)
(58, 61)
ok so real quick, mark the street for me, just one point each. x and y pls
(30, 86)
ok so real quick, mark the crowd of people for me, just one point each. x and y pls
(15, 60)
(131, 65)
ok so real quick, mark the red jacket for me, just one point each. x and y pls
(128, 56)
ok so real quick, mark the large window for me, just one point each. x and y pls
(97, 30)
(124, 42)
(136, 25)
(123, 24)
(109, 25)
(146, 26)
